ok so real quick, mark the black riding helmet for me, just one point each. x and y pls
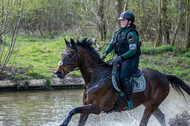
(127, 15)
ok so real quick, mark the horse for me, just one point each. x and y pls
(99, 94)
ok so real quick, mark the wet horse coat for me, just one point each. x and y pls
(99, 94)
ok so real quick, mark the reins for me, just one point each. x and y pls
(75, 69)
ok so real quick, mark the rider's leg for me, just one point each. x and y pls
(129, 92)
(128, 67)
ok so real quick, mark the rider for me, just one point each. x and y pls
(125, 43)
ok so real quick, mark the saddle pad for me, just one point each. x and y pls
(139, 86)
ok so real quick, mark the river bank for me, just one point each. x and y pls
(42, 84)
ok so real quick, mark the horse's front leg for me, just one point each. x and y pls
(83, 118)
(92, 108)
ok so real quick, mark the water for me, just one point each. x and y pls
(51, 107)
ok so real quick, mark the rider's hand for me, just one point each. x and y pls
(117, 59)
(104, 55)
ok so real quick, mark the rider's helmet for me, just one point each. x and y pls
(127, 15)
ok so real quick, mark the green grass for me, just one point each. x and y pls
(177, 65)
(41, 55)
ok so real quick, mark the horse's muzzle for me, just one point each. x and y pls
(59, 74)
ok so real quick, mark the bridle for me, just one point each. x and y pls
(73, 63)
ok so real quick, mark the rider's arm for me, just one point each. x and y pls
(132, 42)
(110, 47)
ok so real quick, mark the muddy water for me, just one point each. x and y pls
(50, 108)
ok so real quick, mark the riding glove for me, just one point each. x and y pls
(104, 55)
(117, 59)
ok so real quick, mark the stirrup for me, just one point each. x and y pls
(128, 105)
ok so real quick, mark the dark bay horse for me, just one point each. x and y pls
(99, 94)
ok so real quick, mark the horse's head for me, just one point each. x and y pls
(70, 59)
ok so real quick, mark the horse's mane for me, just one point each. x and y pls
(87, 44)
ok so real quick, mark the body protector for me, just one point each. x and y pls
(121, 42)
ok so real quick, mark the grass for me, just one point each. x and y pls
(41, 55)
(176, 65)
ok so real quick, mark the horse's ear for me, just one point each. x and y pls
(66, 42)
(73, 43)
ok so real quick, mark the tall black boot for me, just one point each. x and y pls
(130, 101)
(129, 94)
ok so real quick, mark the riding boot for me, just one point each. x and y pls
(130, 101)
(128, 90)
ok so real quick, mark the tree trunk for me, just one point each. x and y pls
(125, 5)
(177, 27)
(102, 24)
(2, 15)
(188, 40)
(188, 25)
(119, 11)
(5, 54)
(165, 22)
(159, 29)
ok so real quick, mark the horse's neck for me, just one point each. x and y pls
(89, 67)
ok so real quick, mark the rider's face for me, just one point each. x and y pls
(124, 22)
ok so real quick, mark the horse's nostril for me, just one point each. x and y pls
(57, 72)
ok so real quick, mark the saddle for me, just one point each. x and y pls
(139, 85)
(137, 79)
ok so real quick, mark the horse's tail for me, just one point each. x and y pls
(178, 84)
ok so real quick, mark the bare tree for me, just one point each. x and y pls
(165, 22)
(5, 54)
(188, 24)
(176, 29)
(102, 24)
(159, 29)
(125, 5)
(118, 9)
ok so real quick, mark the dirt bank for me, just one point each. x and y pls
(42, 84)
(17, 78)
